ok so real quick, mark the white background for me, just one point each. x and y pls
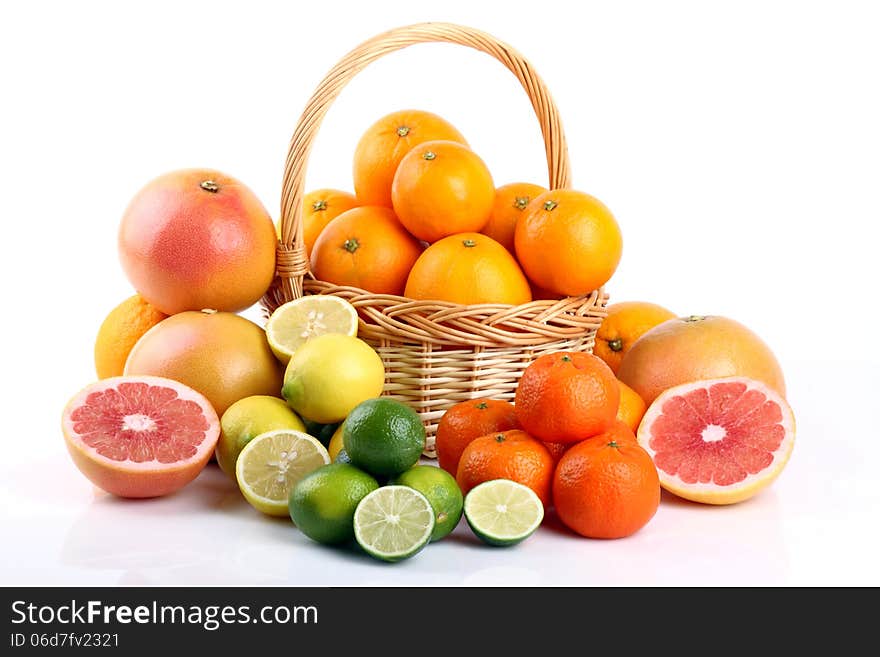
(737, 143)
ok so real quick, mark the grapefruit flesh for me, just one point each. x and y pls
(140, 436)
(718, 441)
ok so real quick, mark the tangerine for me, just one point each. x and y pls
(466, 421)
(605, 487)
(513, 455)
(566, 397)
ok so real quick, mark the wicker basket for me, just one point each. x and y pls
(436, 353)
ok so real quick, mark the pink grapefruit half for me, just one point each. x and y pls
(140, 436)
(718, 441)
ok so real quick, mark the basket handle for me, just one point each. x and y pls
(291, 263)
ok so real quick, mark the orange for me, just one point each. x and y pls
(510, 202)
(119, 331)
(224, 356)
(632, 407)
(320, 207)
(442, 188)
(383, 145)
(197, 238)
(557, 450)
(566, 397)
(468, 420)
(365, 247)
(606, 488)
(513, 455)
(625, 323)
(468, 268)
(694, 348)
(568, 242)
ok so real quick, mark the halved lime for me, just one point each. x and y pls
(271, 464)
(295, 322)
(393, 522)
(503, 512)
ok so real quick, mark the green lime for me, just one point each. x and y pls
(322, 504)
(245, 420)
(342, 457)
(323, 432)
(442, 492)
(393, 523)
(331, 374)
(383, 436)
(503, 512)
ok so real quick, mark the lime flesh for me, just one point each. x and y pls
(393, 523)
(503, 512)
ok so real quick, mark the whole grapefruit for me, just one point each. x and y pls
(221, 355)
(197, 238)
(693, 348)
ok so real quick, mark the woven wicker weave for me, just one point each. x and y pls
(437, 353)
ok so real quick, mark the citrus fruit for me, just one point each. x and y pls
(557, 450)
(442, 188)
(511, 455)
(565, 397)
(718, 441)
(383, 436)
(625, 323)
(245, 420)
(323, 432)
(468, 268)
(368, 248)
(271, 464)
(568, 242)
(294, 322)
(441, 490)
(336, 445)
(605, 487)
(383, 145)
(222, 355)
(466, 421)
(697, 347)
(510, 203)
(320, 207)
(502, 512)
(323, 503)
(631, 408)
(119, 331)
(331, 374)
(393, 523)
(139, 436)
(197, 238)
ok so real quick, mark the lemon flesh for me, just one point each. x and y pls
(271, 464)
(295, 322)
